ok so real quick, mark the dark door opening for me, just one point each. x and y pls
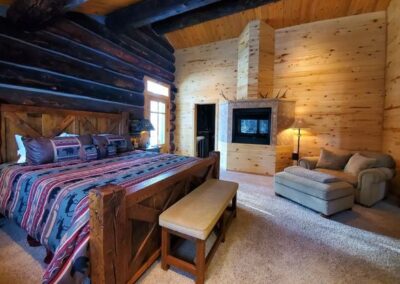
(205, 135)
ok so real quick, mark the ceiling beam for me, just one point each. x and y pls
(207, 13)
(33, 14)
(150, 11)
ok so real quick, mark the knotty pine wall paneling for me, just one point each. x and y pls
(334, 70)
(391, 131)
(204, 74)
(255, 61)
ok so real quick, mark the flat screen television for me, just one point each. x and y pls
(251, 126)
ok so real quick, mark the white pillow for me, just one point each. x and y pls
(21, 149)
(65, 134)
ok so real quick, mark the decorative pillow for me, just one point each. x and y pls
(111, 150)
(331, 160)
(101, 144)
(120, 142)
(21, 149)
(65, 148)
(86, 139)
(358, 163)
(88, 153)
(38, 150)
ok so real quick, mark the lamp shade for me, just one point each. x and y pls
(139, 125)
(299, 123)
(146, 125)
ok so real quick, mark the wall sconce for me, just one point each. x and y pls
(298, 124)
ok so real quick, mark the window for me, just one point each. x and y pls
(157, 110)
(156, 88)
(157, 118)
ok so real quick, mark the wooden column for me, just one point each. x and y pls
(108, 238)
(255, 61)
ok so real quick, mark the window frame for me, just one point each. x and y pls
(149, 96)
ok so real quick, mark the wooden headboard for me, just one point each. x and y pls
(30, 121)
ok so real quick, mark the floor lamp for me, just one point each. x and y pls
(298, 124)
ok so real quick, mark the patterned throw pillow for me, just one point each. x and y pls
(111, 150)
(120, 142)
(88, 153)
(65, 148)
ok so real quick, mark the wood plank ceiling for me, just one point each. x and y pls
(281, 14)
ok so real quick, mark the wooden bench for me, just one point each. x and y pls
(193, 218)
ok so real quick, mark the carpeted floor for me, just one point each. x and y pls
(273, 240)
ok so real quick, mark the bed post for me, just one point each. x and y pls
(216, 156)
(108, 237)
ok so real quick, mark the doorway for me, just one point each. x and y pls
(205, 132)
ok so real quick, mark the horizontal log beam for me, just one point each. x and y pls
(12, 73)
(76, 50)
(151, 43)
(150, 11)
(21, 52)
(20, 95)
(78, 33)
(130, 44)
(150, 32)
(211, 12)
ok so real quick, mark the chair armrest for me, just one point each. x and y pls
(372, 185)
(308, 162)
(375, 175)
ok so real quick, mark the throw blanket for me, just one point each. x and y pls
(312, 175)
(51, 202)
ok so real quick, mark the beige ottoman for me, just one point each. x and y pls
(325, 198)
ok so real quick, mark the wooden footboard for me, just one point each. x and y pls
(125, 238)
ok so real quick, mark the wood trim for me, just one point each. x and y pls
(167, 100)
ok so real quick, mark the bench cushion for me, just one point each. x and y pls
(198, 212)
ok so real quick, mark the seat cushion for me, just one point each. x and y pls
(325, 191)
(197, 213)
(353, 180)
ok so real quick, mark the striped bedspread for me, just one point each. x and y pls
(51, 202)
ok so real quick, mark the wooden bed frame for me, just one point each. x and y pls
(125, 238)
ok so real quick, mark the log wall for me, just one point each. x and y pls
(334, 69)
(78, 63)
(391, 138)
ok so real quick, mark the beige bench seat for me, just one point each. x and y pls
(193, 218)
(197, 213)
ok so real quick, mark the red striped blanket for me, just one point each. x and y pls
(51, 202)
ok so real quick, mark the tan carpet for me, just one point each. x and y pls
(273, 240)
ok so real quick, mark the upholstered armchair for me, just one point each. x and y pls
(370, 184)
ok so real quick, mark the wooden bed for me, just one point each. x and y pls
(125, 238)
